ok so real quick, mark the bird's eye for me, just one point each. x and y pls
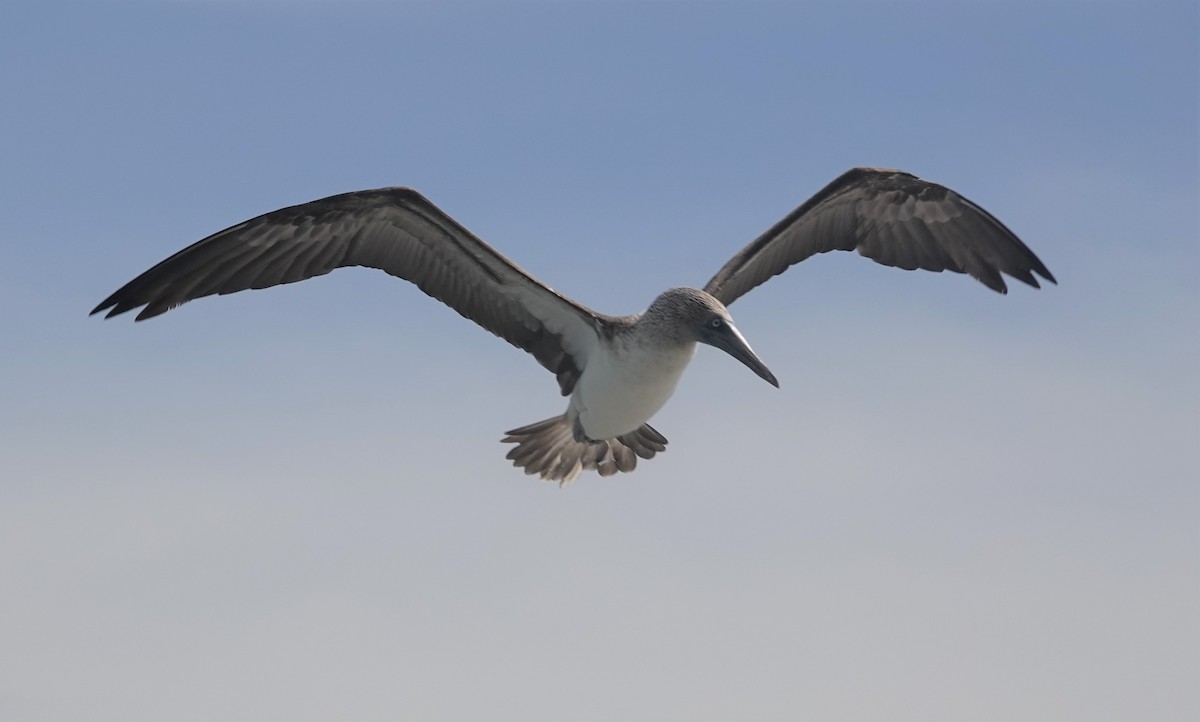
(715, 323)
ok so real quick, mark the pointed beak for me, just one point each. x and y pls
(731, 341)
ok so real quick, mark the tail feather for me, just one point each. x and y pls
(645, 442)
(549, 449)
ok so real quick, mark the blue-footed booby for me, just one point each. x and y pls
(617, 370)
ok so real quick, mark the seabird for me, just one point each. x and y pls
(617, 370)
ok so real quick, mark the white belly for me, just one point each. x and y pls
(621, 389)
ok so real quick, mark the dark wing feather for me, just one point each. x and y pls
(891, 217)
(392, 229)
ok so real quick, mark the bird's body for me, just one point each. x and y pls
(628, 381)
(617, 371)
(628, 377)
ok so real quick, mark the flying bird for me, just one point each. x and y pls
(617, 370)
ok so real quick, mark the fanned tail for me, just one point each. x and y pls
(550, 450)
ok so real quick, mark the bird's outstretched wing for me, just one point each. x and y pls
(392, 229)
(891, 217)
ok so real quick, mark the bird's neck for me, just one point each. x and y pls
(662, 334)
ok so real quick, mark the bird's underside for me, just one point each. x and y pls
(889, 216)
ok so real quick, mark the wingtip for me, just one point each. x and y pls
(117, 308)
(1030, 277)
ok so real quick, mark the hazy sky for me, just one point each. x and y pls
(292, 504)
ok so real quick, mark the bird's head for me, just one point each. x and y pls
(698, 316)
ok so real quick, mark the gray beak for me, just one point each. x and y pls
(730, 340)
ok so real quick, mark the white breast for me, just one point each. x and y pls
(623, 386)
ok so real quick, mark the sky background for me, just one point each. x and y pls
(292, 504)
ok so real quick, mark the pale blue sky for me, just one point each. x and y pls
(291, 504)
